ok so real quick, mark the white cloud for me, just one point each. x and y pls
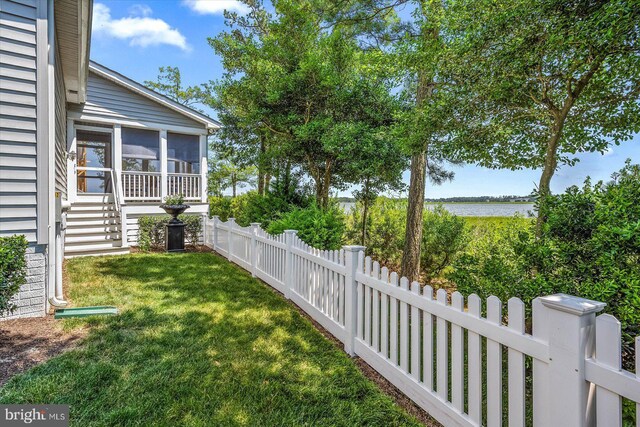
(140, 10)
(140, 30)
(215, 7)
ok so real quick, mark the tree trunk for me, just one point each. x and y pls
(410, 266)
(365, 212)
(234, 183)
(550, 162)
(261, 173)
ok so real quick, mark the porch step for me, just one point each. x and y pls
(92, 237)
(95, 252)
(93, 229)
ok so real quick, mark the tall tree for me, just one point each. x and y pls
(415, 51)
(543, 80)
(169, 83)
(298, 82)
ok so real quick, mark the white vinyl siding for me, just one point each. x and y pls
(61, 130)
(108, 100)
(18, 190)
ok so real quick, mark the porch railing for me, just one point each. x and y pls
(189, 185)
(143, 186)
(147, 186)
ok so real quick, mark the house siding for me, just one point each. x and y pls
(108, 100)
(61, 130)
(18, 148)
(19, 109)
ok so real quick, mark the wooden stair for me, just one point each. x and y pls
(93, 229)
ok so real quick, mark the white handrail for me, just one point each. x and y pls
(116, 189)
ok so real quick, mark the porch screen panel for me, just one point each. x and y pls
(183, 153)
(140, 150)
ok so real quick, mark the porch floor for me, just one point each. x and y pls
(197, 342)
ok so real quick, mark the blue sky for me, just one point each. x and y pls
(135, 38)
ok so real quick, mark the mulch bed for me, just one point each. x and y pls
(25, 343)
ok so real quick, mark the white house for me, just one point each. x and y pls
(84, 150)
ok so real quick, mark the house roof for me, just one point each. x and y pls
(136, 87)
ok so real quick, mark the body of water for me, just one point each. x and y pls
(476, 209)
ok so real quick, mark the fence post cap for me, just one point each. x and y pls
(290, 231)
(231, 219)
(255, 224)
(354, 248)
(570, 304)
(216, 217)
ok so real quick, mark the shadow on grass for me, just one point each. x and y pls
(198, 342)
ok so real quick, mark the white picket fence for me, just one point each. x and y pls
(442, 354)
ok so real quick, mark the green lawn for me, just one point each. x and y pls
(198, 342)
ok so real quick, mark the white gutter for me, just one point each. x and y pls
(54, 248)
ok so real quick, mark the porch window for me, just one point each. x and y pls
(140, 150)
(183, 153)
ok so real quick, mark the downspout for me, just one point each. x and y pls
(56, 224)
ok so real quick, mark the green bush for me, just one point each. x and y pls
(12, 270)
(151, 230)
(493, 262)
(385, 229)
(250, 207)
(322, 229)
(444, 236)
(589, 247)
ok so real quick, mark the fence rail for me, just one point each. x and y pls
(445, 354)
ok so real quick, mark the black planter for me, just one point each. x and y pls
(174, 230)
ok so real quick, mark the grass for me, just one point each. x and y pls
(493, 221)
(198, 342)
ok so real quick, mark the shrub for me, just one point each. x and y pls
(250, 207)
(385, 229)
(444, 236)
(589, 247)
(12, 270)
(319, 228)
(151, 230)
(493, 262)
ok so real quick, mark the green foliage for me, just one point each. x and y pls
(151, 230)
(176, 199)
(320, 228)
(385, 229)
(169, 83)
(12, 269)
(589, 247)
(493, 263)
(251, 207)
(444, 236)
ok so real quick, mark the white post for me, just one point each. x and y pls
(204, 218)
(570, 323)
(254, 247)
(216, 218)
(351, 297)
(124, 227)
(203, 168)
(231, 222)
(164, 164)
(288, 263)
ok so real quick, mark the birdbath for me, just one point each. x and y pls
(174, 229)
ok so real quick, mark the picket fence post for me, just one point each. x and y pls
(204, 219)
(231, 222)
(288, 262)
(254, 247)
(350, 296)
(569, 324)
(216, 218)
